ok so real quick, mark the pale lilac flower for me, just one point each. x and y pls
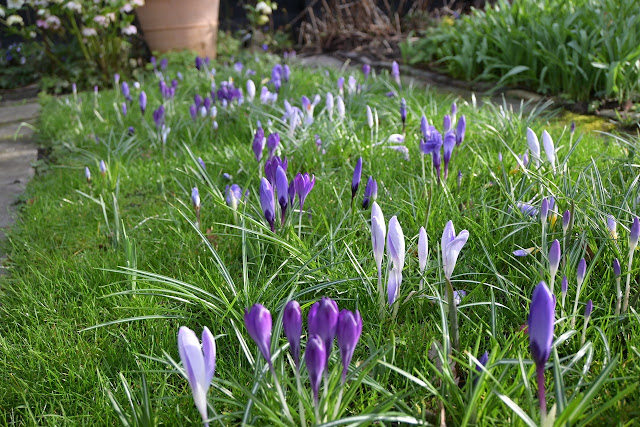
(451, 247)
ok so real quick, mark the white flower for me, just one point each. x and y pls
(129, 30)
(1, 12)
(14, 19)
(251, 90)
(396, 138)
(89, 32)
(263, 8)
(14, 4)
(126, 8)
(101, 20)
(534, 145)
(72, 5)
(137, 3)
(549, 149)
(369, 117)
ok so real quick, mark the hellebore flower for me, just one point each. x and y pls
(395, 72)
(534, 145)
(446, 123)
(366, 69)
(143, 102)
(267, 202)
(612, 225)
(423, 249)
(554, 261)
(323, 321)
(449, 144)
(355, 182)
(234, 195)
(549, 149)
(396, 253)
(541, 318)
(103, 167)
(258, 143)
(316, 358)
(272, 142)
(282, 187)
(451, 246)
(370, 192)
(348, 331)
(199, 364)
(304, 185)
(292, 325)
(257, 320)
(461, 129)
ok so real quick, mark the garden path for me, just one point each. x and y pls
(17, 152)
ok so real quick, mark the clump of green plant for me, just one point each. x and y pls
(578, 49)
(19, 65)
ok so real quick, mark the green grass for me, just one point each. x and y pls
(578, 49)
(68, 259)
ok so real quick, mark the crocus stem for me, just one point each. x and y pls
(453, 316)
(575, 306)
(627, 289)
(424, 177)
(541, 392)
(285, 407)
(380, 293)
(564, 297)
(584, 331)
(303, 421)
(618, 296)
(198, 218)
(300, 222)
(337, 407)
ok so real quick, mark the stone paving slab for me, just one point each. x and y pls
(8, 131)
(18, 112)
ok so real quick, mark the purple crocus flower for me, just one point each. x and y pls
(197, 99)
(87, 174)
(272, 142)
(403, 113)
(292, 325)
(541, 324)
(461, 129)
(370, 192)
(573, 127)
(131, 130)
(286, 72)
(454, 111)
(323, 321)
(616, 268)
(206, 103)
(193, 112)
(198, 63)
(199, 364)
(304, 185)
(316, 358)
(527, 209)
(483, 361)
(612, 226)
(257, 320)
(163, 64)
(201, 163)
(292, 192)
(258, 143)
(195, 198)
(451, 247)
(124, 108)
(566, 219)
(348, 331)
(125, 91)
(267, 202)
(233, 195)
(153, 61)
(142, 100)
(355, 182)
(158, 116)
(103, 167)
(459, 179)
(271, 166)
(424, 128)
(544, 209)
(634, 234)
(432, 146)
(449, 144)
(446, 123)
(116, 78)
(366, 69)
(341, 84)
(554, 258)
(395, 72)
(282, 188)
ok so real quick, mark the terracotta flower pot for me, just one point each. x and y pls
(180, 24)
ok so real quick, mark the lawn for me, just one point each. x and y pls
(104, 271)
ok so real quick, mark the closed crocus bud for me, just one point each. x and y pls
(103, 167)
(403, 111)
(267, 202)
(124, 108)
(143, 102)
(541, 318)
(423, 249)
(323, 321)
(292, 325)
(554, 257)
(451, 247)
(286, 72)
(582, 270)
(564, 287)
(195, 198)
(378, 233)
(366, 69)
(282, 187)
(459, 179)
(454, 111)
(573, 127)
(395, 243)
(549, 149)
(348, 331)
(588, 309)
(87, 174)
(616, 268)
(544, 209)
(257, 320)
(449, 144)
(258, 143)
(566, 219)
(193, 112)
(461, 129)
(612, 225)
(370, 192)
(340, 107)
(199, 364)
(316, 359)
(482, 361)
(446, 123)
(292, 192)
(534, 145)
(357, 174)
(125, 90)
(369, 117)
(395, 72)
(329, 104)
(340, 84)
(634, 234)
(251, 90)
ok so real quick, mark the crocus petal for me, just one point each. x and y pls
(541, 318)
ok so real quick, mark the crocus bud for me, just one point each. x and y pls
(541, 318)
(395, 72)
(193, 112)
(251, 90)
(292, 325)
(103, 167)
(124, 108)
(534, 145)
(454, 111)
(195, 198)
(459, 179)
(340, 84)
(370, 192)
(199, 364)
(125, 91)
(449, 144)
(329, 104)
(616, 268)
(634, 234)
(451, 247)
(366, 69)
(316, 359)
(87, 174)
(549, 149)
(544, 210)
(369, 117)
(395, 243)
(257, 320)
(554, 257)
(143, 102)
(582, 270)
(403, 111)
(272, 142)
(340, 107)
(357, 174)
(378, 233)
(258, 143)
(282, 187)
(424, 127)
(446, 123)
(588, 309)
(564, 287)
(348, 332)
(461, 129)
(323, 321)
(423, 249)
(612, 225)
(267, 202)
(566, 219)
(573, 127)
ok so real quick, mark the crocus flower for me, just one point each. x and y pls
(534, 145)
(395, 72)
(199, 364)
(198, 63)
(282, 188)
(348, 331)
(449, 144)
(271, 166)
(370, 192)
(103, 167)
(451, 247)
(233, 195)
(292, 325)
(527, 209)
(341, 84)
(257, 320)
(369, 117)
(482, 361)
(272, 142)
(541, 318)
(267, 202)
(459, 179)
(544, 209)
(193, 112)
(612, 225)
(554, 260)
(355, 182)
(258, 143)
(582, 270)
(340, 107)
(403, 112)
(201, 163)
(323, 321)
(131, 130)
(523, 252)
(87, 174)
(378, 233)
(286, 72)
(396, 254)
(143, 102)
(125, 90)
(251, 90)
(352, 85)
(564, 287)
(461, 129)
(423, 249)
(573, 127)
(292, 192)
(366, 69)
(446, 123)
(116, 78)
(195, 198)
(634, 234)
(329, 104)
(566, 219)
(304, 185)
(124, 108)
(424, 128)
(549, 149)
(158, 116)
(316, 358)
